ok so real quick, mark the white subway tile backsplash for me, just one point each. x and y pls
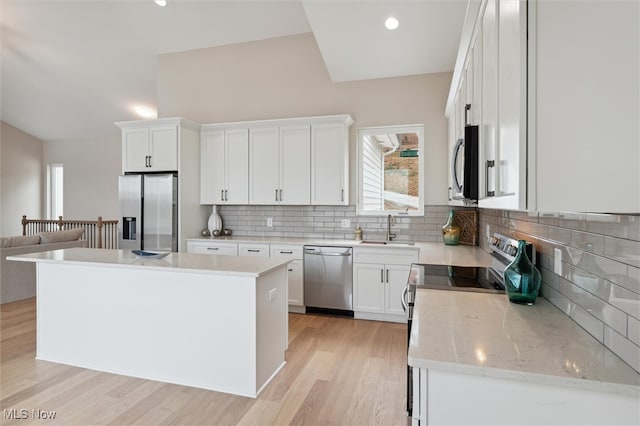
(600, 283)
(633, 330)
(624, 348)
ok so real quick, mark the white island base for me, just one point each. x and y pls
(223, 331)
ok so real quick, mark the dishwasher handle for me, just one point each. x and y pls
(326, 254)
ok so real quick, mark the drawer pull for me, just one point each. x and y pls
(286, 252)
(254, 250)
(290, 270)
(213, 248)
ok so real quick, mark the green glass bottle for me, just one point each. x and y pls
(451, 230)
(521, 278)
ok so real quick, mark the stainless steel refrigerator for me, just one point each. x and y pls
(149, 212)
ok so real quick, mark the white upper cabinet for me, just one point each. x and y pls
(292, 161)
(224, 166)
(279, 165)
(295, 164)
(151, 148)
(557, 110)
(585, 105)
(330, 162)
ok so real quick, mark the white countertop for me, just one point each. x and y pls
(484, 334)
(192, 262)
(433, 253)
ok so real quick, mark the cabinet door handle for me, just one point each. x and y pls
(213, 248)
(342, 194)
(222, 195)
(290, 270)
(382, 276)
(276, 195)
(280, 194)
(149, 161)
(146, 161)
(387, 276)
(490, 164)
(226, 195)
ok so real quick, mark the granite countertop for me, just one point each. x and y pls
(191, 262)
(484, 334)
(430, 252)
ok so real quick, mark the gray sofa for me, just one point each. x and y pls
(18, 279)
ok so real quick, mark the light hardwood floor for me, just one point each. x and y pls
(338, 371)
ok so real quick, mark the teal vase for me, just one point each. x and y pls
(521, 278)
(451, 231)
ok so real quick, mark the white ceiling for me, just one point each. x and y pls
(69, 69)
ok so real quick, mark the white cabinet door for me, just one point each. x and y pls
(212, 167)
(295, 282)
(368, 288)
(150, 149)
(163, 148)
(489, 104)
(236, 163)
(135, 149)
(511, 155)
(395, 283)
(295, 165)
(329, 164)
(264, 167)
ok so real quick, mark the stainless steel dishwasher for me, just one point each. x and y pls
(328, 279)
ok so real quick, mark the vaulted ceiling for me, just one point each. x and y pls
(69, 69)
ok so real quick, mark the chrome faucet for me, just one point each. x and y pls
(390, 222)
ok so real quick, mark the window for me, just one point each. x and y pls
(55, 189)
(391, 170)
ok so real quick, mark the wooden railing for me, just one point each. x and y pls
(98, 233)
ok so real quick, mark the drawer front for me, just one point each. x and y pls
(229, 249)
(253, 250)
(388, 256)
(286, 250)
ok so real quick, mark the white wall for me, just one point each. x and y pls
(286, 77)
(91, 170)
(21, 179)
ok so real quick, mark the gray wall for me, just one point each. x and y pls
(600, 283)
(21, 179)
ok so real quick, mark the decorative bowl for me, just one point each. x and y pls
(150, 254)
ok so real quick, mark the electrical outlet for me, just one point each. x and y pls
(269, 222)
(346, 223)
(557, 261)
(272, 294)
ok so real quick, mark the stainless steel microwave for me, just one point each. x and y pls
(464, 166)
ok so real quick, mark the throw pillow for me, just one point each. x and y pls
(61, 236)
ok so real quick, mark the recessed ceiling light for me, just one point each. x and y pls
(162, 3)
(391, 23)
(144, 112)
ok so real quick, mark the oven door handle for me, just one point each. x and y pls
(403, 299)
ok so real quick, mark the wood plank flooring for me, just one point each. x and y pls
(339, 371)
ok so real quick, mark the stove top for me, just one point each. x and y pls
(461, 278)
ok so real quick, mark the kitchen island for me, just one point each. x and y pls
(512, 364)
(212, 322)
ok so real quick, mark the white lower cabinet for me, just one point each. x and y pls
(295, 275)
(379, 277)
(213, 247)
(437, 396)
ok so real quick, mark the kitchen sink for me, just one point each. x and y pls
(387, 243)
